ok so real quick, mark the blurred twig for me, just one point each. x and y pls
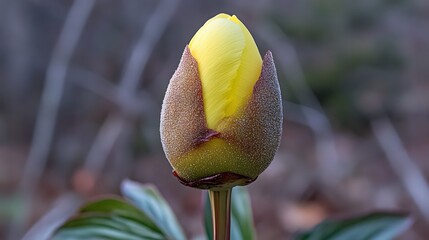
(404, 166)
(53, 90)
(95, 83)
(103, 143)
(285, 53)
(139, 58)
(61, 210)
(51, 98)
(301, 114)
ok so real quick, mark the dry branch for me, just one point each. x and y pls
(51, 98)
(140, 54)
(402, 164)
(53, 91)
(63, 208)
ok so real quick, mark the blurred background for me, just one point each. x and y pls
(82, 84)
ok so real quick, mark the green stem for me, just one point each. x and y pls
(220, 202)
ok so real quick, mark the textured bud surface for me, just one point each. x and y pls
(182, 115)
(244, 144)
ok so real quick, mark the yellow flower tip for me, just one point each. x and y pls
(229, 64)
(234, 19)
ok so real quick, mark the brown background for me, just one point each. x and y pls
(82, 84)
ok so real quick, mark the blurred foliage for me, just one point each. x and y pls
(373, 226)
(146, 215)
(10, 207)
(340, 49)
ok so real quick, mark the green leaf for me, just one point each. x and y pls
(241, 211)
(373, 226)
(148, 200)
(208, 221)
(241, 216)
(119, 207)
(148, 216)
(109, 219)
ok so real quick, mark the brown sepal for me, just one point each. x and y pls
(217, 182)
(183, 106)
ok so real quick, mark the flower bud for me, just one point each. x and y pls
(221, 118)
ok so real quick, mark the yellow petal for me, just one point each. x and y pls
(229, 65)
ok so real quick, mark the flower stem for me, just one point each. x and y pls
(220, 202)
